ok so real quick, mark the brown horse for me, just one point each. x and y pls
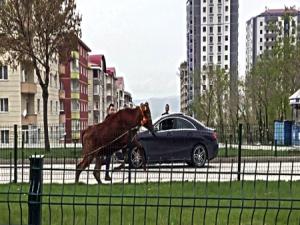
(113, 134)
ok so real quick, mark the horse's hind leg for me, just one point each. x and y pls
(97, 169)
(85, 162)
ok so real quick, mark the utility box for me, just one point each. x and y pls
(283, 132)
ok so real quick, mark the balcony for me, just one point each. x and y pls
(75, 75)
(61, 94)
(75, 55)
(269, 43)
(29, 119)
(96, 81)
(75, 115)
(62, 69)
(62, 118)
(75, 135)
(75, 95)
(28, 88)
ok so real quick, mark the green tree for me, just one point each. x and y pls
(37, 32)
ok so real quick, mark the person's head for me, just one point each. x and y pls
(167, 107)
(111, 109)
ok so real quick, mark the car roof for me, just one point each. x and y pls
(196, 123)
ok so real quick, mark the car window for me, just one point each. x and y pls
(183, 124)
(166, 124)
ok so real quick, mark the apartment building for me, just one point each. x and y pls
(183, 74)
(120, 95)
(111, 96)
(74, 82)
(128, 100)
(212, 39)
(21, 103)
(268, 27)
(97, 89)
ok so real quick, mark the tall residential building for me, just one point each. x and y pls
(262, 32)
(97, 89)
(74, 82)
(212, 39)
(21, 103)
(183, 73)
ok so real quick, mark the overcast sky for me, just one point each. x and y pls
(146, 39)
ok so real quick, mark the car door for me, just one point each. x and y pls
(182, 135)
(159, 148)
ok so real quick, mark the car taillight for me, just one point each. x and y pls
(214, 135)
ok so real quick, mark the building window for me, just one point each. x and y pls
(219, 29)
(211, 10)
(219, 19)
(204, 9)
(260, 40)
(219, 58)
(204, 29)
(51, 106)
(261, 48)
(226, 18)
(219, 39)
(211, 30)
(204, 77)
(226, 57)
(204, 19)
(3, 73)
(219, 48)
(56, 107)
(211, 48)
(260, 31)
(226, 28)
(226, 67)
(3, 104)
(204, 87)
(75, 105)
(211, 59)
(204, 58)
(38, 105)
(4, 136)
(204, 68)
(204, 38)
(211, 19)
(261, 23)
(226, 37)
(226, 8)
(211, 39)
(61, 105)
(204, 48)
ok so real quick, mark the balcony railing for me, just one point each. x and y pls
(28, 88)
(29, 119)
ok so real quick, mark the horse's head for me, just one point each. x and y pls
(146, 120)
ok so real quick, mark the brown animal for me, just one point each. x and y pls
(113, 134)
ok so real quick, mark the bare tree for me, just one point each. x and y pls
(39, 32)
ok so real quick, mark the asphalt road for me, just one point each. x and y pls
(214, 172)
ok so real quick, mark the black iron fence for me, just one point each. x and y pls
(248, 183)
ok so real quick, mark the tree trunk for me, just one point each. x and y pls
(45, 118)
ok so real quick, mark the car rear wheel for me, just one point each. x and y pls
(199, 156)
(135, 158)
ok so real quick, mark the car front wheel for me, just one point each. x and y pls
(199, 156)
(135, 158)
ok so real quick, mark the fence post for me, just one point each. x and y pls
(35, 190)
(240, 152)
(15, 153)
(275, 141)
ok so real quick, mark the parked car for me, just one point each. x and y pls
(179, 138)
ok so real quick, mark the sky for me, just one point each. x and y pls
(146, 39)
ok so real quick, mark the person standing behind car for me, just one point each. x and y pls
(167, 108)
(110, 110)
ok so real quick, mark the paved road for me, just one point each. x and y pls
(272, 171)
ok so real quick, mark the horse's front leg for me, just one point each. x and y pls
(97, 168)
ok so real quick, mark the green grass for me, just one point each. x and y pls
(93, 201)
(255, 152)
(54, 152)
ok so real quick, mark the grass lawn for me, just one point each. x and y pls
(102, 204)
(254, 152)
(54, 152)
